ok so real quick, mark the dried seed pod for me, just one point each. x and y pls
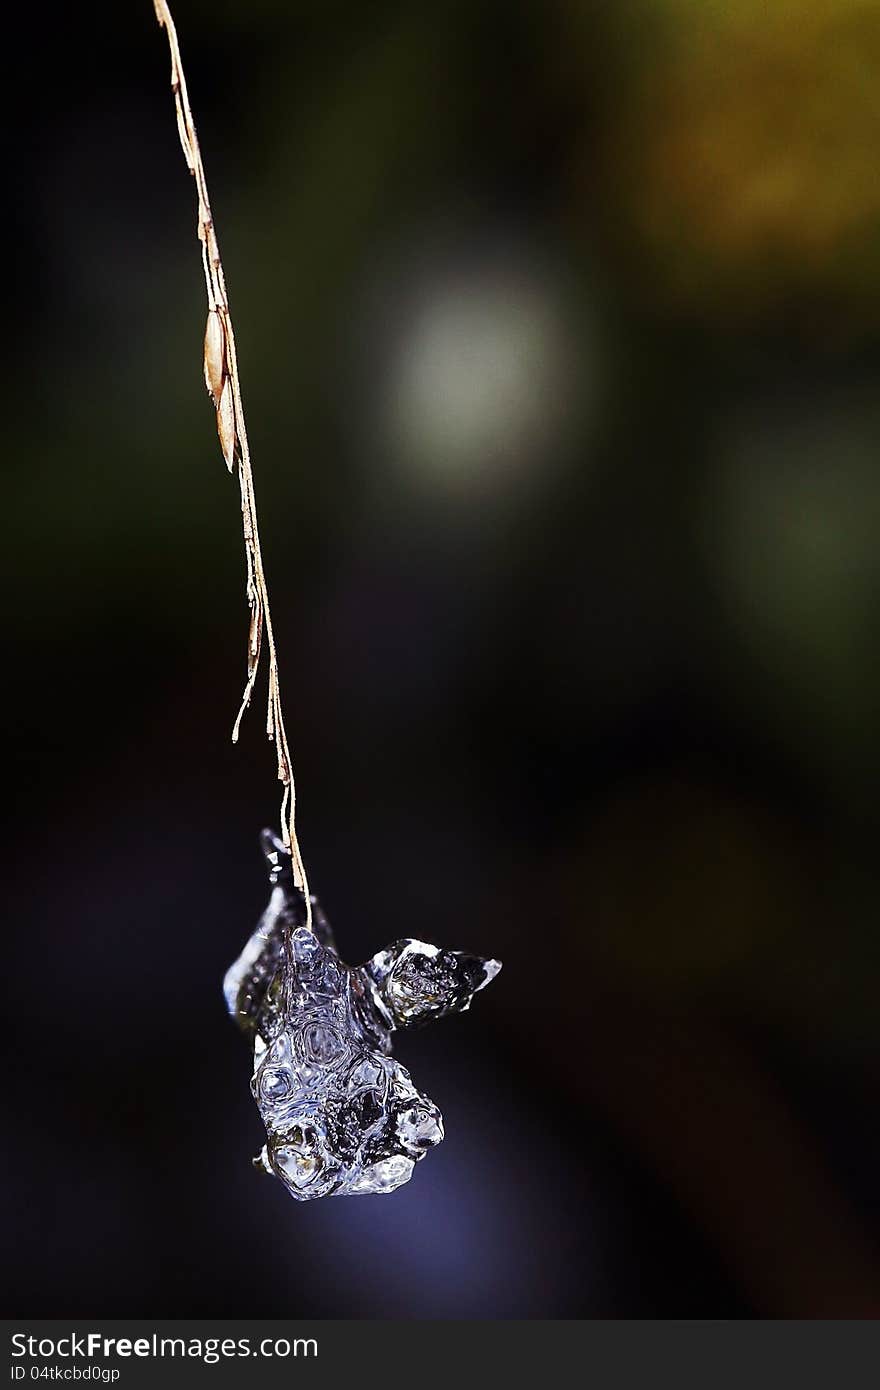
(215, 356)
(226, 423)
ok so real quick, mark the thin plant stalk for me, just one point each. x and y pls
(224, 388)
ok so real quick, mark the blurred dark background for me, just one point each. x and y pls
(559, 327)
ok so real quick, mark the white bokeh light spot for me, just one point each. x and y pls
(481, 387)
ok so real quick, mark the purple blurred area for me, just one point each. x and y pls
(559, 331)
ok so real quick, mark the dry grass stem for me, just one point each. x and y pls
(222, 382)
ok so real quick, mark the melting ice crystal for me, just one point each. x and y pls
(341, 1115)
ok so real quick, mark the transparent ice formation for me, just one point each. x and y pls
(341, 1115)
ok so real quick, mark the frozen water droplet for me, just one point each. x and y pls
(322, 1044)
(275, 1083)
(366, 1073)
(311, 1076)
(281, 1053)
(385, 1175)
(306, 949)
(299, 1166)
(341, 1115)
(420, 1128)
